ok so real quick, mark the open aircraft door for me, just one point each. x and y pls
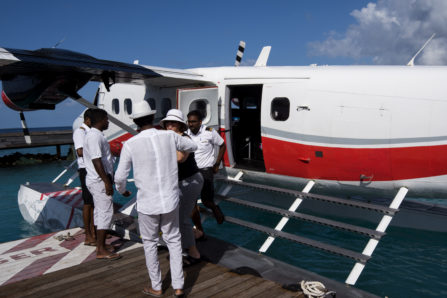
(203, 99)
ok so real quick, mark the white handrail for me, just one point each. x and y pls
(372, 243)
(284, 220)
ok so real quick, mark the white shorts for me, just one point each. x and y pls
(103, 210)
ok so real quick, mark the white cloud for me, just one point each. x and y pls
(391, 32)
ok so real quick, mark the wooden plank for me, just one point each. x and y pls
(198, 287)
(234, 280)
(256, 291)
(103, 283)
(127, 277)
(54, 279)
(252, 281)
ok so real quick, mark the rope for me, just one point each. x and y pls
(315, 289)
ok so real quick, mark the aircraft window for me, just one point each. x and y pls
(165, 106)
(200, 105)
(116, 106)
(151, 102)
(280, 109)
(128, 106)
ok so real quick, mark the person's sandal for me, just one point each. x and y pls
(189, 261)
(151, 292)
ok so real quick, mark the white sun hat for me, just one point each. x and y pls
(141, 109)
(174, 115)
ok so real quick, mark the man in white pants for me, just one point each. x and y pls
(99, 164)
(153, 155)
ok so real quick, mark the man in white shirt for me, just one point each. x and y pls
(153, 155)
(206, 138)
(87, 211)
(99, 164)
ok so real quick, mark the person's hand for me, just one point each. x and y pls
(126, 194)
(109, 188)
(216, 168)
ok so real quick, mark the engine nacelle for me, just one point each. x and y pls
(40, 91)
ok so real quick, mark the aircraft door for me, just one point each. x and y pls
(202, 99)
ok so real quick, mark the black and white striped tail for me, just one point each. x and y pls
(25, 129)
(240, 53)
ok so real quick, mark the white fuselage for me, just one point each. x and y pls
(375, 128)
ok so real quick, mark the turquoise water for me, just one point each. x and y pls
(406, 263)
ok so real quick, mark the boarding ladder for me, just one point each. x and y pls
(360, 258)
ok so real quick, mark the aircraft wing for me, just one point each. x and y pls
(65, 63)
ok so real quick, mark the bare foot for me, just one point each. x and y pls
(178, 293)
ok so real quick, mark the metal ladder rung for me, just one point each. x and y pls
(302, 240)
(352, 203)
(286, 213)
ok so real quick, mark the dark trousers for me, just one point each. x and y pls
(207, 194)
(86, 195)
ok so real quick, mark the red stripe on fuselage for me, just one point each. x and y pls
(348, 164)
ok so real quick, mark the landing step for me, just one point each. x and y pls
(302, 240)
(310, 218)
(302, 195)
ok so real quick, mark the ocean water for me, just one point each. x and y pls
(406, 263)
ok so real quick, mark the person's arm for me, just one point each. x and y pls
(220, 155)
(80, 152)
(182, 156)
(97, 163)
(217, 140)
(184, 144)
(122, 172)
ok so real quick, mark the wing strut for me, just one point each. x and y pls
(112, 119)
(25, 128)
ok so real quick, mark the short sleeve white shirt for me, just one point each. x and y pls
(96, 146)
(153, 156)
(206, 139)
(78, 141)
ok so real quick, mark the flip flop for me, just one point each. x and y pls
(190, 261)
(111, 257)
(149, 291)
(92, 243)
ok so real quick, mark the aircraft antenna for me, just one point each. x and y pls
(58, 43)
(240, 53)
(411, 63)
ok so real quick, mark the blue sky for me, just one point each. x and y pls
(199, 33)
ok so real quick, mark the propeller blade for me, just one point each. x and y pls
(240, 53)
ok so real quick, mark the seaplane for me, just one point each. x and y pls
(360, 131)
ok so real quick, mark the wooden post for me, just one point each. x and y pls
(58, 151)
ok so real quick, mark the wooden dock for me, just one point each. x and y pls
(14, 140)
(127, 276)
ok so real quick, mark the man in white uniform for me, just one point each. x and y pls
(99, 164)
(153, 155)
(206, 138)
(87, 211)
